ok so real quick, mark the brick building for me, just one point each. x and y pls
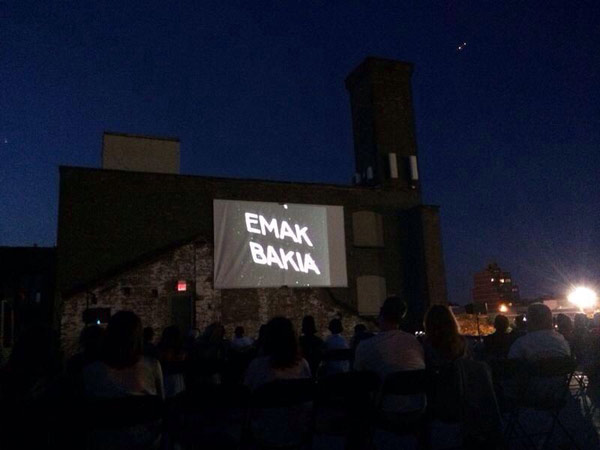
(493, 286)
(138, 235)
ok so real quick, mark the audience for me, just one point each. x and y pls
(310, 344)
(281, 360)
(498, 343)
(443, 341)
(335, 342)
(541, 340)
(123, 370)
(122, 360)
(392, 349)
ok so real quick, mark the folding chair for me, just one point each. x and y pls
(344, 404)
(402, 405)
(542, 386)
(131, 422)
(280, 414)
(209, 416)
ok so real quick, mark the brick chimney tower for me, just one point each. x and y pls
(383, 123)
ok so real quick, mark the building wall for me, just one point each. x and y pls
(193, 262)
(140, 153)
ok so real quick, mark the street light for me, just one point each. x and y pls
(583, 297)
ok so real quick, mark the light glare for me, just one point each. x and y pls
(583, 297)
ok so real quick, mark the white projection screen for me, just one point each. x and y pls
(260, 244)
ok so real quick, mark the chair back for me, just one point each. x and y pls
(123, 412)
(283, 393)
(135, 421)
(280, 413)
(210, 414)
(406, 382)
(339, 354)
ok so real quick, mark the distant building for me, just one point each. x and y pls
(27, 289)
(138, 235)
(493, 287)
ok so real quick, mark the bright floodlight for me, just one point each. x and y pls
(583, 298)
(503, 308)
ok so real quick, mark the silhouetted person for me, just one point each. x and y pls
(564, 325)
(149, 347)
(170, 347)
(443, 341)
(310, 344)
(335, 341)
(171, 354)
(581, 339)
(498, 343)
(90, 344)
(240, 340)
(520, 327)
(123, 370)
(360, 334)
(541, 340)
(391, 350)
(282, 358)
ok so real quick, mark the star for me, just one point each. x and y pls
(461, 46)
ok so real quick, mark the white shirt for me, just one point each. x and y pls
(336, 342)
(540, 344)
(389, 352)
(239, 343)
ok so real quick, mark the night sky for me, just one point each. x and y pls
(508, 126)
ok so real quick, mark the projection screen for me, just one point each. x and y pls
(260, 244)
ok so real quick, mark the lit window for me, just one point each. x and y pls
(181, 286)
(501, 280)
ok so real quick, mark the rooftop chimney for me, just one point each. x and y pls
(383, 123)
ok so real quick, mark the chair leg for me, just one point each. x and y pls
(564, 429)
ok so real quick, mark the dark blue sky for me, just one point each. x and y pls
(508, 128)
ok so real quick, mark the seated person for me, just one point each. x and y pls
(391, 350)
(240, 341)
(335, 342)
(122, 369)
(443, 341)
(541, 340)
(311, 345)
(171, 354)
(281, 359)
(497, 344)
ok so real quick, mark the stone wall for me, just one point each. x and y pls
(148, 288)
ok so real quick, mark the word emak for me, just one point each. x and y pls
(285, 260)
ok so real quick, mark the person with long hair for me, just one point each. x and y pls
(443, 341)
(122, 369)
(281, 360)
